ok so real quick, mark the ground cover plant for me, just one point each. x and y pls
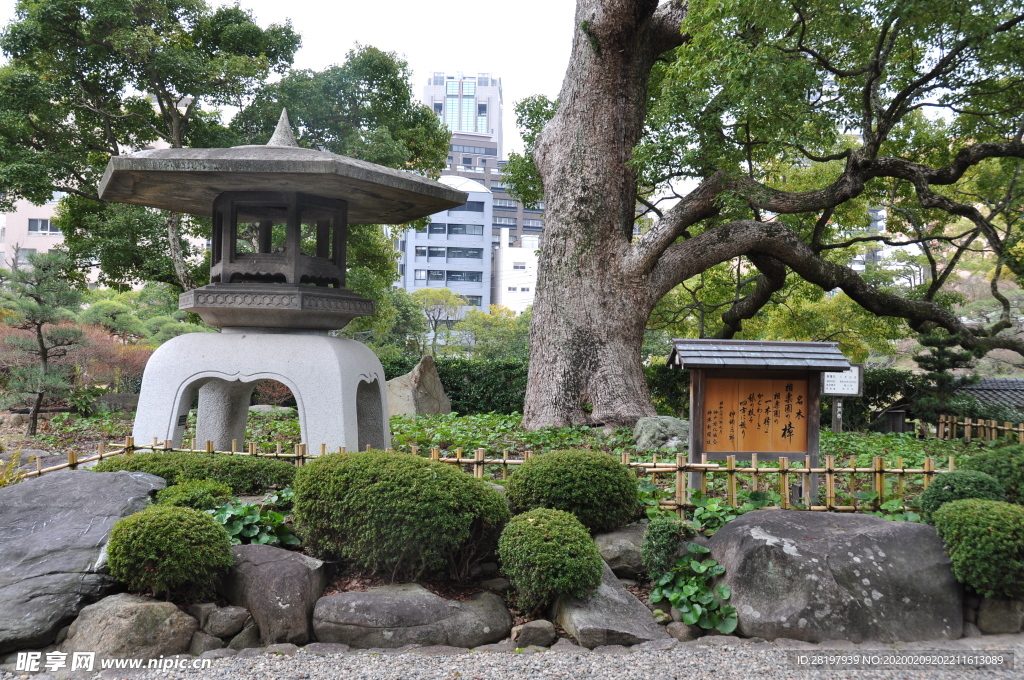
(687, 586)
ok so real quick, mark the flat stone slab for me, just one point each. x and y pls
(611, 616)
(53, 535)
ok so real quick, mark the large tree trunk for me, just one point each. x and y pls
(590, 309)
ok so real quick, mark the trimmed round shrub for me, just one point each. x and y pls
(599, 490)
(1005, 464)
(985, 540)
(246, 475)
(198, 494)
(660, 548)
(396, 513)
(958, 485)
(547, 554)
(167, 549)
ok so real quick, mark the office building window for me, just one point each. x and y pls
(3, 234)
(23, 254)
(535, 224)
(512, 289)
(504, 221)
(466, 276)
(525, 289)
(481, 123)
(435, 275)
(469, 229)
(478, 150)
(468, 206)
(435, 252)
(467, 161)
(421, 251)
(401, 270)
(506, 203)
(438, 228)
(467, 253)
(518, 265)
(401, 245)
(438, 78)
(468, 104)
(482, 161)
(451, 112)
(497, 184)
(42, 227)
(468, 86)
(475, 300)
(451, 87)
(438, 108)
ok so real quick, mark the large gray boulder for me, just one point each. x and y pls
(818, 576)
(279, 588)
(620, 549)
(610, 616)
(128, 626)
(418, 392)
(661, 432)
(53, 537)
(394, 616)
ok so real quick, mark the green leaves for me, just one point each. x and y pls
(251, 523)
(687, 586)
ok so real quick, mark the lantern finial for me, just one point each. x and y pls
(283, 135)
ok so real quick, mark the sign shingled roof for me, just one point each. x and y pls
(757, 354)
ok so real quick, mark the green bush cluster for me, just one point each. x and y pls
(168, 549)
(985, 540)
(397, 513)
(958, 485)
(662, 540)
(599, 490)
(1005, 464)
(546, 554)
(198, 494)
(246, 475)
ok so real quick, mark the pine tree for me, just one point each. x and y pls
(939, 362)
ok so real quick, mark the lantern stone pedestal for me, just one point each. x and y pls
(280, 217)
(338, 385)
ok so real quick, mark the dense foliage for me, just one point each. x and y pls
(1005, 464)
(595, 487)
(251, 523)
(958, 485)
(985, 540)
(198, 494)
(244, 474)
(662, 540)
(548, 554)
(396, 513)
(687, 587)
(168, 549)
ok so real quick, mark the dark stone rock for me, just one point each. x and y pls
(496, 647)
(225, 622)
(418, 392)
(279, 588)
(820, 576)
(498, 585)
(565, 646)
(248, 638)
(204, 642)
(391, 616)
(616, 650)
(488, 568)
(621, 550)
(683, 632)
(222, 653)
(539, 633)
(129, 626)
(661, 432)
(282, 649)
(610, 616)
(655, 646)
(326, 648)
(1000, 616)
(249, 652)
(201, 612)
(971, 630)
(53, 531)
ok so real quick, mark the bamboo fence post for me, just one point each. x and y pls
(1020, 433)
(853, 480)
(680, 483)
(730, 466)
(830, 482)
(967, 429)
(805, 487)
(703, 475)
(323, 449)
(234, 446)
(342, 449)
(929, 469)
(952, 464)
(435, 453)
(504, 464)
(369, 448)
(753, 465)
(625, 457)
(73, 459)
(101, 449)
(195, 444)
(879, 482)
(1007, 430)
(168, 445)
(277, 454)
(39, 466)
(784, 482)
(414, 450)
(899, 477)
(252, 448)
(156, 443)
(527, 455)
(478, 464)
(129, 445)
(209, 446)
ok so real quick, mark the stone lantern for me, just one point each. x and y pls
(277, 285)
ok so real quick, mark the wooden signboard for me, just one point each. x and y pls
(755, 415)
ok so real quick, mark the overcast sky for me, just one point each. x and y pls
(525, 42)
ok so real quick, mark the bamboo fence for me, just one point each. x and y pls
(674, 472)
(951, 427)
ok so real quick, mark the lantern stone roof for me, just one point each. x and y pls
(757, 354)
(188, 180)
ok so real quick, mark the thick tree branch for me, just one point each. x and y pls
(770, 280)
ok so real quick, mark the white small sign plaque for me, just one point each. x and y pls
(843, 384)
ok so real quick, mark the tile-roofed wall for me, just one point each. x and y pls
(818, 356)
(1005, 391)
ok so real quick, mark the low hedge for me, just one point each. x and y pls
(1005, 464)
(168, 549)
(198, 494)
(985, 541)
(958, 485)
(396, 513)
(246, 475)
(548, 554)
(662, 540)
(592, 485)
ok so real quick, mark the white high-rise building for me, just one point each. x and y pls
(514, 279)
(470, 106)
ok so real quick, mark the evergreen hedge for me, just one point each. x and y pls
(246, 475)
(662, 540)
(958, 485)
(198, 494)
(1005, 464)
(985, 541)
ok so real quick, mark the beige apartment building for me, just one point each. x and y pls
(29, 229)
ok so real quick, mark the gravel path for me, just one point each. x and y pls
(708, 658)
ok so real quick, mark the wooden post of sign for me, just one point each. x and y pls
(697, 427)
(837, 414)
